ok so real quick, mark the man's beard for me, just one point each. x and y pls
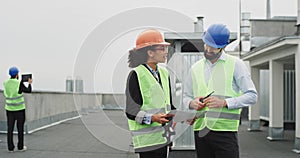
(211, 57)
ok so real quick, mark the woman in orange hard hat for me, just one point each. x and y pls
(148, 97)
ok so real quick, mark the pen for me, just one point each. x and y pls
(201, 99)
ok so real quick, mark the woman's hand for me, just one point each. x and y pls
(160, 118)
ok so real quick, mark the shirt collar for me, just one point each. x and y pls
(223, 56)
(152, 69)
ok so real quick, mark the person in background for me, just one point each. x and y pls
(148, 95)
(15, 108)
(229, 82)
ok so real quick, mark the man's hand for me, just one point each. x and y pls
(214, 102)
(196, 104)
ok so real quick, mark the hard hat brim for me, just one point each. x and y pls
(212, 44)
(152, 44)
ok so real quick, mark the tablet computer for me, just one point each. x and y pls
(25, 77)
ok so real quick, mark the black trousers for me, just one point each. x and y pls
(216, 144)
(158, 153)
(12, 117)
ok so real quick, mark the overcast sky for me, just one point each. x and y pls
(46, 37)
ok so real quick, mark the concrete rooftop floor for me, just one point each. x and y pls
(74, 139)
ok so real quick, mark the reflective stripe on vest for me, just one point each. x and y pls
(215, 114)
(217, 119)
(14, 100)
(148, 130)
(15, 104)
(221, 115)
(156, 99)
(15, 97)
(155, 111)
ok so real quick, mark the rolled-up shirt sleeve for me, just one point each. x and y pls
(147, 119)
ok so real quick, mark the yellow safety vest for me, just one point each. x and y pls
(216, 119)
(156, 99)
(14, 100)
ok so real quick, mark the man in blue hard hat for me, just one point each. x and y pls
(15, 108)
(228, 81)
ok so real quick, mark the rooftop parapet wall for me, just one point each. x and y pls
(46, 108)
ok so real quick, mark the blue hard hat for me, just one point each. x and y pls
(216, 36)
(13, 71)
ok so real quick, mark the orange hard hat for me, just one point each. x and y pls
(149, 38)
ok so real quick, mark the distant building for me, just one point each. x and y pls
(74, 85)
(274, 59)
(78, 85)
(69, 84)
